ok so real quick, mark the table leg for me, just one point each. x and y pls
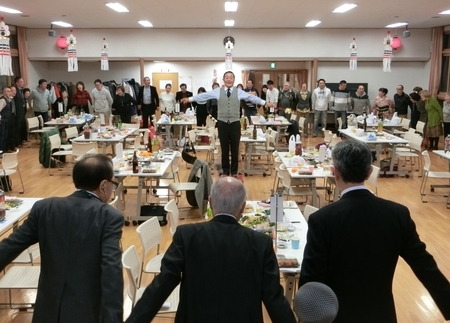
(248, 157)
(314, 191)
(104, 148)
(169, 134)
(289, 285)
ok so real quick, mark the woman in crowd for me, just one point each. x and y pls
(434, 125)
(167, 100)
(415, 114)
(382, 103)
(211, 105)
(81, 98)
(64, 101)
(123, 105)
(26, 95)
(200, 109)
(243, 104)
(446, 113)
(263, 96)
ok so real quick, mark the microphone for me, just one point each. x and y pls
(316, 303)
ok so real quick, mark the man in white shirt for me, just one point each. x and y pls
(272, 95)
(320, 101)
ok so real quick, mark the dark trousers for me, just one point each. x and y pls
(11, 137)
(43, 114)
(147, 111)
(3, 134)
(20, 124)
(84, 108)
(229, 137)
(446, 129)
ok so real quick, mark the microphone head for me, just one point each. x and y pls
(316, 303)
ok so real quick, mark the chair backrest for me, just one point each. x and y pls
(41, 121)
(301, 123)
(33, 123)
(82, 148)
(309, 209)
(405, 123)
(113, 203)
(328, 136)
(10, 160)
(339, 120)
(373, 178)
(130, 262)
(415, 142)
(150, 236)
(29, 255)
(419, 127)
(426, 161)
(192, 136)
(174, 215)
(175, 162)
(71, 132)
(55, 141)
(284, 176)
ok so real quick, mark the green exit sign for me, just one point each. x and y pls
(273, 65)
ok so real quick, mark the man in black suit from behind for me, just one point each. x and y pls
(353, 245)
(225, 269)
(148, 101)
(184, 105)
(81, 271)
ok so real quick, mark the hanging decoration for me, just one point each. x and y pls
(353, 55)
(72, 59)
(387, 52)
(5, 51)
(229, 45)
(62, 42)
(396, 43)
(104, 64)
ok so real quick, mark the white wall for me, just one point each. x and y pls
(207, 44)
(409, 74)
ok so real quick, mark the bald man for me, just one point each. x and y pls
(226, 270)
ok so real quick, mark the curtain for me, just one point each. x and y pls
(245, 76)
(23, 55)
(436, 59)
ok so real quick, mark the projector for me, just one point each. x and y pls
(52, 33)
(406, 34)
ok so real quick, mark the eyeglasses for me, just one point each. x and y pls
(116, 185)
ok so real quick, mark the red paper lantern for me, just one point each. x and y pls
(61, 42)
(396, 43)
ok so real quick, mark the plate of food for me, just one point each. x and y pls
(12, 203)
(258, 222)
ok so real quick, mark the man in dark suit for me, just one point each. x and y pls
(225, 269)
(353, 245)
(148, 101)
(184, 105)
(81, 272)
(21, 109)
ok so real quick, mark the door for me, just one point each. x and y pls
(159, 80)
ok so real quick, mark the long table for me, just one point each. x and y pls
(294, 217)
(15, 215)
(317, 173)
(391, 140)
(442, 154)
(179, 123)
(250, 143)
(122, 172)
(118, 137)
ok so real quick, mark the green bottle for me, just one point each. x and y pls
(119, 123)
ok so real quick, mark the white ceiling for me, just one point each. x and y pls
(210, 13)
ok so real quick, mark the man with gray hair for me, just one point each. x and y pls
(225, 269)
(354, 248)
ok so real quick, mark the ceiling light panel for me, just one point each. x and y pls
(9, 10)
(397, 24)
(229, 23)
(62, 24)
(231, 6)
(145, 23)
(345, 7)
(117, 7)
(445, 12)
(313, 23)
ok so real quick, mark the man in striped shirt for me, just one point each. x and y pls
(341, 102)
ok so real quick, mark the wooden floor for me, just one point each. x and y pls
(413, 303)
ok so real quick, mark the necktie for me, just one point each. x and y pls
(228, 93)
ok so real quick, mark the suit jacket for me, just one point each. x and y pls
(81, 272)
(353, 246)
(20, 103)
(225, 271)
(154, 98)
